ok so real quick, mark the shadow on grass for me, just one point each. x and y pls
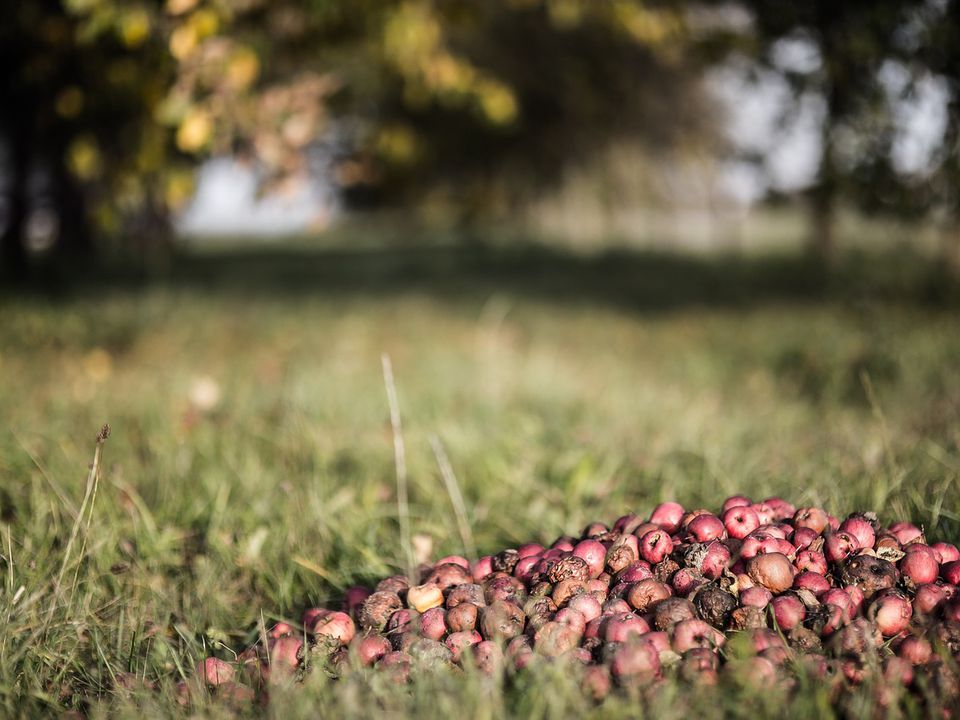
(641, 280)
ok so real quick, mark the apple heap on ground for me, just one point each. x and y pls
(761, 590)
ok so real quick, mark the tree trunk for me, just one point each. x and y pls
(827, 190)
(13, 252)
(823, 238)
(951, 247)
(74, 241)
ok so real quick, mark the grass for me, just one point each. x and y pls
(251, 469)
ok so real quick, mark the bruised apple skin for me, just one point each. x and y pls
(750, 592)
(773, 571)
(376, 610)
(870, 574)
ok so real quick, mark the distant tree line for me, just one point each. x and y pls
(107, 105)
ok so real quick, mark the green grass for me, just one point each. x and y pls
(564, 390)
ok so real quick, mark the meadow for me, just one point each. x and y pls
(250, 469)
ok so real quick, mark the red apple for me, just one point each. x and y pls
(337, 626)
(655, 546)
(788, 611)
(433, 623)
(811, 517)
(706, 527)
(782, 510)
(281, 629)
(686, 580)
(214, 671)
(587, 605)
(802, 537)
(740, 521)
(756, 596)
(635, 661)
(859, 529)
(928, 599)
(715, 560)
(765, 513)
(812, 581)
(370, 648)
(946, 552)
(311, 615)
(668, 515)
(593, 553)
(688, 634)
(919, 565)
(951, 572)
(481, 568)
(915, 650)
(891, 611)
(840, 598)
(634, 572)
(618, 628)
(906, 532)
(458, 642)
(812, 561)
(839, 545)
(736, 501)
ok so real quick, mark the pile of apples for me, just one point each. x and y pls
(762, 590)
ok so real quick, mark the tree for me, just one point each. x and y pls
(76, 104)
(936, 52)
(479, 101)
(852, 40)
(118, 98)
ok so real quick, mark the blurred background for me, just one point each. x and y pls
(136, 128)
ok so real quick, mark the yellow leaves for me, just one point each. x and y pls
(69, 102)
(173, 108)
(133, 27)
(645, 25)
(497, 102)
(449, 75)
(183, 41)
(242, 68)
(84, 159)
(411, 34)
(195, 130)
(205, 22)
(397, 144)
(178, 188)
(179, 7)
(187, 36)
(413, 42)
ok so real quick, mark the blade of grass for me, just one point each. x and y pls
(456, 498)
(400, 463)
(95, 472)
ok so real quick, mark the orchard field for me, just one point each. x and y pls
(250, 470)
